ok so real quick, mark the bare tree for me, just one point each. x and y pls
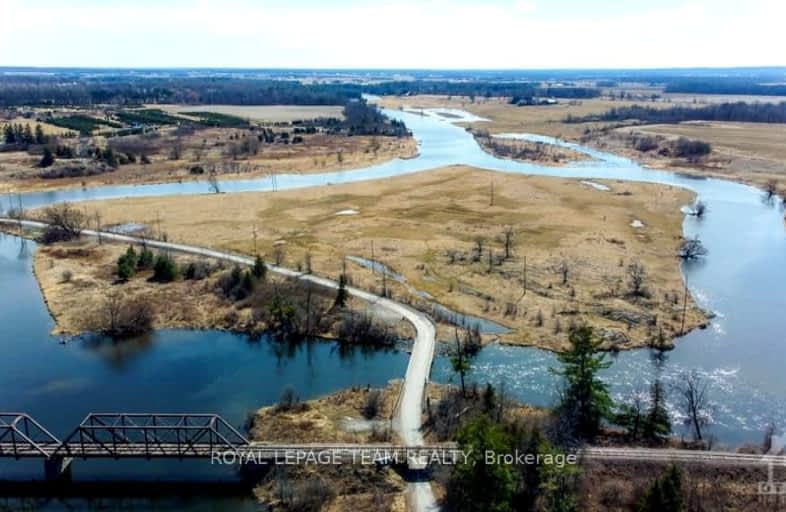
(563, 269)
(177, 149)
(213, 184)
(770, 189)
(692, 248)
(65, 222)
(126, 316)
(695, 403)
(700, 208)
(769, 433)
(278, 255)
(636, 276)
(479, 241)
(508, 233)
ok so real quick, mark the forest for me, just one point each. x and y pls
(737, 112)
(49, 91)
(480, 88)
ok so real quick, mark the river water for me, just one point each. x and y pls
(741, 353)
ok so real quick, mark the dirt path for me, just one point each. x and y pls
(407, 416)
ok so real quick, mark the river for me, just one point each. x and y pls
(740, 280)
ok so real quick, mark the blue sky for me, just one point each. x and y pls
(393, 34)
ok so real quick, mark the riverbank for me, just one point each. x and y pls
(577, 240)
(750, 153)
(318, 153)
(526, 151)
(356, 415)
(83, 293)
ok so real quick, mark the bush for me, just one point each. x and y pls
(67, 276)
(126, 264)
(237, 284)
(165, 270)
(127, 317)
(145, 260)
(691, 149)
(373, 404)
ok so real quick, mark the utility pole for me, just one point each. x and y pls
(684, 306)
(255, 239)
(384, 283)
(525, 275)
(491, 203)
(98, 227)
(373, 263)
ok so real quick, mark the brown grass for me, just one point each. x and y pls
(207, 148)
(413, 220)
(79, 304)
(544, 120)
(262, 113)
(749, 152)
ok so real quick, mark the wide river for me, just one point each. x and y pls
(742, 280)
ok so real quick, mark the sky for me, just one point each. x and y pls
(428, 34)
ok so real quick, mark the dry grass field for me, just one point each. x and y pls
(749, 152)
(503, 117)
(261, 113)
(207, 148)
(77, 278)
(415, 222)
(336, 418)
(753, 152)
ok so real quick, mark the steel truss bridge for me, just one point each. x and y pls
(186, 436)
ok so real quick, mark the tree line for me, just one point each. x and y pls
(738, 112)
(726, 86)
(479, 88)
(38, 91)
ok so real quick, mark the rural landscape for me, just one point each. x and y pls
(325, 285)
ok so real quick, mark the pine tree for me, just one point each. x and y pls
(260, 269)
(8, 134)
(27, 135)
(40, 138)
(342, 295)
(658, 424)
(585, 401)
(665, 495)
(48, 159)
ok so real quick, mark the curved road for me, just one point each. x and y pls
(408, 413)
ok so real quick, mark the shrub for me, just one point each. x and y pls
(165, 270)
(67, 276)
(145, 260)
(373, 404)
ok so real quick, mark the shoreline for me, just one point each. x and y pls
(436, 275)
(10, 186)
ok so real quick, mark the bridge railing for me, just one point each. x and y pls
(22, 436)
(150, 435)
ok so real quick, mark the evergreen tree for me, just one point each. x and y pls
(657, 426)
(48, 159)
(665, 495)
(477, 485)
(40, 138)
(8, 134)
(585, 401)
(164, 270)
(146, 259)
(260, 269)
(342, 295)
(126, 264)
(27, 135)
